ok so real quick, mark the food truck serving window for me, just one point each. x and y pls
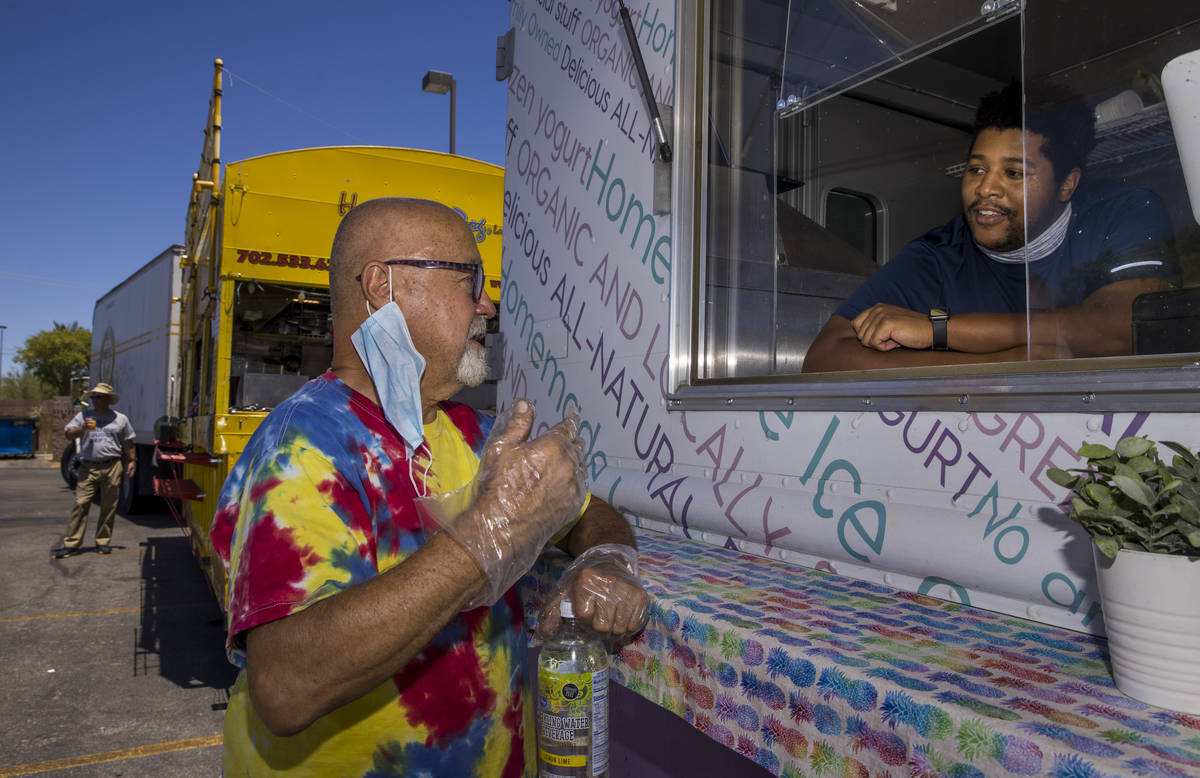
(945, 202)
(281, 337)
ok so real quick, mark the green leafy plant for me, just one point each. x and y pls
(1130, 498)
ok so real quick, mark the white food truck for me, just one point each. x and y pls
(673, 293)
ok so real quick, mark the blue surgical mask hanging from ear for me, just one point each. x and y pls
(395, 367)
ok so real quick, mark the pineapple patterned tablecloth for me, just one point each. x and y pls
(812, 674)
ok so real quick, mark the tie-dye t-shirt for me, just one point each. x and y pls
(322, 499)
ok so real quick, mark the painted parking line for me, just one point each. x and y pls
(109, 612)
(87, 553)
(110, 756)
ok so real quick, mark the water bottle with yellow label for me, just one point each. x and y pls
(572, 719)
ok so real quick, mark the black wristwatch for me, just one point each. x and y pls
(939, 318)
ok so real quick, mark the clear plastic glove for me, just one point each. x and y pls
(524, 493)
(602, 584)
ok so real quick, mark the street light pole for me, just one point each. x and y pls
(3, 327)
(439, 83)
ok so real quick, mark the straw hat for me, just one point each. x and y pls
(106, 390)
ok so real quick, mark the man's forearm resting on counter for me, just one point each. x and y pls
(600, 523)
(888, 336)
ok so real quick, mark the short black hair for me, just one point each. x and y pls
(1063, 119)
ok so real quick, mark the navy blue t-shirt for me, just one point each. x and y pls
(1115, 234)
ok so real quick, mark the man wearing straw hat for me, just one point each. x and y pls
(103, 435)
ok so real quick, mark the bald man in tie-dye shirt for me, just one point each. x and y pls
(347, 608)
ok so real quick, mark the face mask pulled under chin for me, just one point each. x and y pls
(395, 367)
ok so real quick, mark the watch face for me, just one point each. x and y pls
(938, 313)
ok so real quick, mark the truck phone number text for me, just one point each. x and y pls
(282, 260)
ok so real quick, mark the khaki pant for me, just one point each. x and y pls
(105, 476)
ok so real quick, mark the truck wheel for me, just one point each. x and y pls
(128, 501)
(67, 467)
(137, 494)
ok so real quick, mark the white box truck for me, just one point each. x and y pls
(135, 349)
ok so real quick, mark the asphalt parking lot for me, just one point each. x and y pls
(110, 665)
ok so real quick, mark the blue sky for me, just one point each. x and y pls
(105, 102)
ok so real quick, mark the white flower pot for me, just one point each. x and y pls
(1151, 608)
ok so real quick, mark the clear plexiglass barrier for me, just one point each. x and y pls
(891, 190)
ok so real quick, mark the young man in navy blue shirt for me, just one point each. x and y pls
(959, 293)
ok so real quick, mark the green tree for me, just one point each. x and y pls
(57, 354)
(24, 386)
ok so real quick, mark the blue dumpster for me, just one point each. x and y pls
(16, 437)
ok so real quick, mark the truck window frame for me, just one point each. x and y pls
(874, 211)
(1088, 385)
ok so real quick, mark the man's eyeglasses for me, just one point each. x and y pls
(474, 268)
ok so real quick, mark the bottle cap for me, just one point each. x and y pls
(564, 608)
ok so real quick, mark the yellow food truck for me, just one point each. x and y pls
(255, 317)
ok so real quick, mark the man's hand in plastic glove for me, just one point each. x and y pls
(525, 491)
(602, 584)
(531, 479)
